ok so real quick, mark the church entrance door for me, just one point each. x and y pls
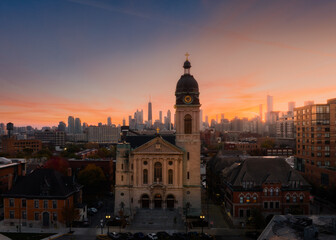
(170, 201)
(157, 201)
(145, 201)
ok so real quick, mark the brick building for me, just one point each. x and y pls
(264, 183)
(10, 169)
(316, 142)
(12, 146)
(37, 200)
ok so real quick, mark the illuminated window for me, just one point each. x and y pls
(248, 199)
(241, 199)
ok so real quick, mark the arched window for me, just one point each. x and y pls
(170, 176)
(187, 124)
(277, 191)
(241, 199)
(157, 172)
(145, 176)
(271, 192)
(265, 191)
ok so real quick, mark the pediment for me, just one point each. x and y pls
(156, 146)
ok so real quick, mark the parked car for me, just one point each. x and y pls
(126, 236)
(152, 236)
(179, 236)
(114, 235)
(163, 235)
(139, 235)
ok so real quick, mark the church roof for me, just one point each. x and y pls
(137, 141)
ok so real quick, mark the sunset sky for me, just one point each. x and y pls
(98, 58)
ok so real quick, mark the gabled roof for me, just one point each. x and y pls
(44, 183)
(165, 147)
(262, 170)
(137, 141)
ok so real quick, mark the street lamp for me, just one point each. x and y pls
(202, 218)
(107, 223)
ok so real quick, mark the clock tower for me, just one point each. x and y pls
(188, 137)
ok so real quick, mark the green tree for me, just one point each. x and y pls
(70, 214)
(268, 144)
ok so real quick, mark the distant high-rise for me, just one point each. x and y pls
(150, 117)
(61, 126)
(291, 106)
(207, 120)
(169, 120)
(216, 118)
(78, 125)
(269, 107)
(160, 116)
(124, 122)
(222, 117)
(201, 118)
(308, 103)
(109, 121)
(260, 112)
(10, 128)
(71, 124)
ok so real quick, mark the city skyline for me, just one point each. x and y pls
(73, 57)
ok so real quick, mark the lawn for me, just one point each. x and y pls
(26, 236)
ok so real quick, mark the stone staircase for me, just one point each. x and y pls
(157, 219)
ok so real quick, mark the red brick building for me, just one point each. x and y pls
(10, 169)
(264, 183)
(37, 200)
(12, 145)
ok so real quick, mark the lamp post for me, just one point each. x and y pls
(107, 223)
(202, 218)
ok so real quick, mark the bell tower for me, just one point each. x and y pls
(188, 137)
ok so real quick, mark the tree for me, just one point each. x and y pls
(70, 214)
(93, 180)
(57, 163)
(268, 144)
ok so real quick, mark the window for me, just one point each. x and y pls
(45, 203)
(23, 203)
(187, 175)
(294, 199)
(187, 124)
(248, 199)
(24, 215)
(248, 213)
(36, 203)
(254, 199)
(54, 217)
(188, 155)
(301, 198)
(271, 192)
(265, 191)
(36, 216)
(287, 199)
(241, 213)
(122, 178)
(145, 176)
(277, 205)
(170, 176)
(277, 191)
(132, 166)
(11, 202)
(122, 166)
(265, 205)
(11, 214)
(271, 205)
(157, 172)
(241, 199)
(54, 204)
(324, 179)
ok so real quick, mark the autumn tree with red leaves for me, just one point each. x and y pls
(57, 163)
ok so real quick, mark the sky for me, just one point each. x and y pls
(97, 58)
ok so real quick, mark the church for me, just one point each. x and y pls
(163, 172)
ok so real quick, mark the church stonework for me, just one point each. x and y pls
(159, 174)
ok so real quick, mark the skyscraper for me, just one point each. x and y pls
(168, 120)
(291, 106)
(160, 116)
(71, 124)
(109, 121)
(260, 112)
(78, 125)
(124, 122)
(269, 107)
(61, 126)
(150, 119)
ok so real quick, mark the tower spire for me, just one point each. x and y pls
(187, 55)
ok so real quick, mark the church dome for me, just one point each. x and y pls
(187, 83)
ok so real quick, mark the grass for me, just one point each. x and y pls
(26, 236)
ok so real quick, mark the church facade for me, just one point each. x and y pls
(160, 173)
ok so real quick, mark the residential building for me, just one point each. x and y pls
(316, 142)
(13, 146)
(38, 199)
(264, 183)
(10, 169)
(103, 134)
(54, 138)
(285, 126)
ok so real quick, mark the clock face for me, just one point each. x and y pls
(187, 99)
